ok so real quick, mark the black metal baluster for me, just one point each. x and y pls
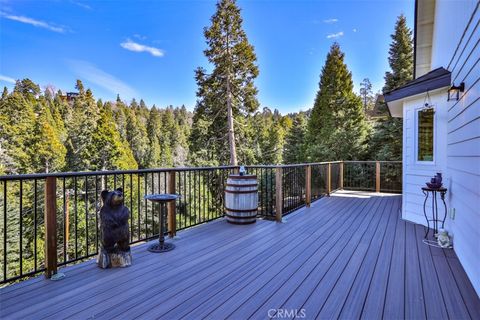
(21, 228)
(138, 207)
(5, 230)
(131, 209)
(64, 192)
(145, 205)
(76, 216)
(96, 213)
(86, 214)
(35, 202)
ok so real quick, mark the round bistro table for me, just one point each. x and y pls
(162, 200)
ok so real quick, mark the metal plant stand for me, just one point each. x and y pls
(435, 219)
(162, 200)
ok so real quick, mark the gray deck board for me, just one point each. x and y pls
(348, 256)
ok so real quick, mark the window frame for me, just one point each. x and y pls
(416, 136)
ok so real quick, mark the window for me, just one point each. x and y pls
(425, 135)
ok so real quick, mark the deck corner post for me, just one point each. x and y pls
(329, 179)
(308, 185)
(50, 216)
(341, 175)
(377, 176)
(278, 194)
(171, 206)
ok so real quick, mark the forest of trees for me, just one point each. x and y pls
(44, 131)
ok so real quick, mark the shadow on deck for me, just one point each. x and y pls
(348, 256)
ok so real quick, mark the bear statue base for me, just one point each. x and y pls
(117, 259)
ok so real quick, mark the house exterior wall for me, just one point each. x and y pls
(416, 173)
(463, 126)
(456, 47)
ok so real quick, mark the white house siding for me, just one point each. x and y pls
(415, 173)
(458, 22)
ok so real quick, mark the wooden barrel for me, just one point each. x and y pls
(241, 199)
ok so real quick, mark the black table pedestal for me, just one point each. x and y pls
(162, 200)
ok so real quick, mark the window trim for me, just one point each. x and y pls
(416, 136)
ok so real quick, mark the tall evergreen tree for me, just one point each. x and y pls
(386, 141)
(294, 151)
(400, 56)
(48, 151)
(154, 132)
(228, 93)
(80, 121)
(108, 148)
(337, 128)
(367, 94)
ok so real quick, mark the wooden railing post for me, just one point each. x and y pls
(341, 175)
(308, 185)
(171, 207)
(50, 216)
(278, 194)
(377, 176)
(329, 179)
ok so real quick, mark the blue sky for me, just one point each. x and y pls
(150, 49)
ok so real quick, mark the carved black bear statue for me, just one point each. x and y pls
(114, 231)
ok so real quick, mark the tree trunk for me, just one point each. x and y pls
(231, 132)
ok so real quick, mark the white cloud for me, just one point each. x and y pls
(33, 22)
(7, 79)
(86, 70)
(335, 35)
(80, 4)
(330, 21)
(139, 36)
(137, 47)
(354, 30)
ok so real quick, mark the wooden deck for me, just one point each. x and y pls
(349, 256)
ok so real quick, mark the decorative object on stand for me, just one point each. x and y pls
(435, 182)
(162, 200)
(114, 231)
(443, 239)
(241, 198)
(434, 187)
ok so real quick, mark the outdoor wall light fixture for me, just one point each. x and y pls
(454, 91)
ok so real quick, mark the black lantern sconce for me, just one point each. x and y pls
(454, 91)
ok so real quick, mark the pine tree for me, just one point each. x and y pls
(48, 151)
(367, 94)
(17, 121)
(154, 132)
(386, 141)
(136, 136)
(400, 56)
(80, 121)
(294, 151)
(337, 128)
(228, 93)
(108, 147)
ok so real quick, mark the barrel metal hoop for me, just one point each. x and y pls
(238, 177)
(240, 217)
(241, 210)
(241, 191)
(242, 185)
